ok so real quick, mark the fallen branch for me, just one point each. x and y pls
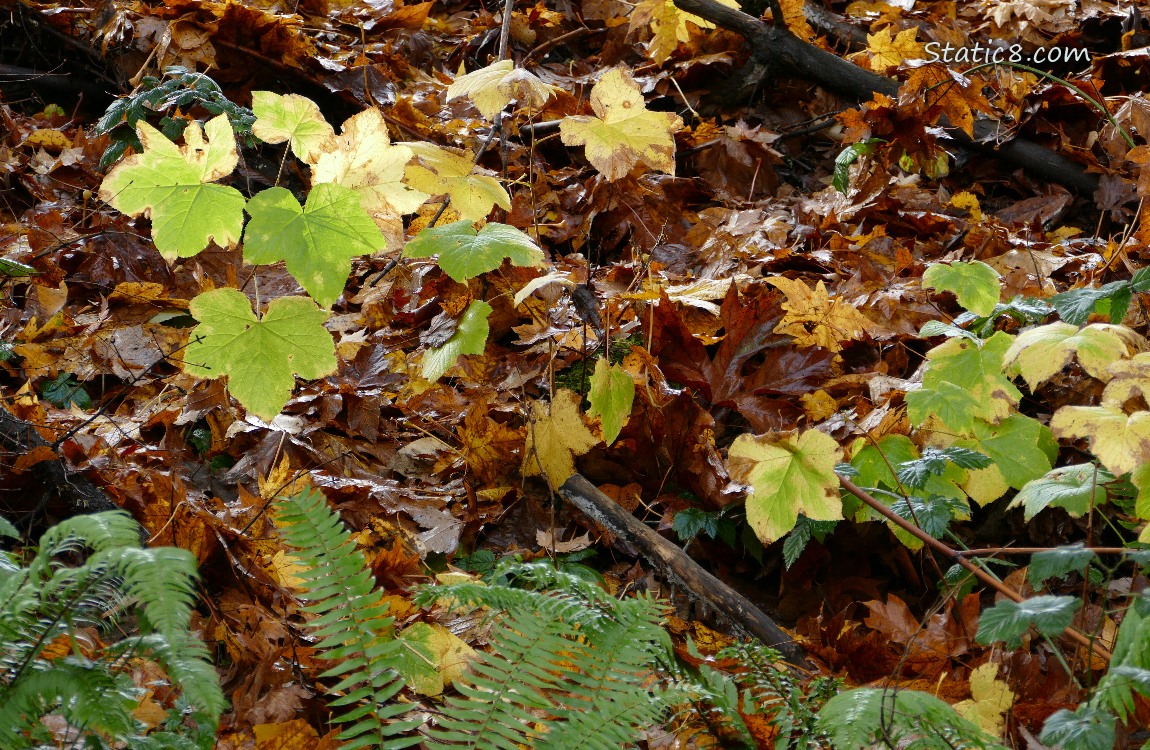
(680, 567)
(958, 557)
(774, 47)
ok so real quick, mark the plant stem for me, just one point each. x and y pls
(958, 557)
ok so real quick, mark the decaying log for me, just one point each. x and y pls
(774, 49)
(680, 568)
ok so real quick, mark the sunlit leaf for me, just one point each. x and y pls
(465, 253)
(623, 132)
(787, 476)
(295, 119)
(317, 240)
(492, 88)
(975, 284)
(440, 172)
(470, 337)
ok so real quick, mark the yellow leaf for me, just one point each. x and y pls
(1120, 442)
(365, 160)
(887, 52)
(286, 569)
(814, 319)
(623, 132)
(818, 405)
(556, 435)
(668, 25)
(492, 88)
(788, 476)
(967, 201)
(1038, 353)
(441, 172)
(990, 700)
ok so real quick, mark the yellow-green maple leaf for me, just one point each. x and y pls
(623, 132)
(171, 184)
(1040, 352)
(815, 319)
(787, 476)
(441, 172)
(292, 118)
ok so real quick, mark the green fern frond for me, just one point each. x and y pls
(571, 667)
(351, 623)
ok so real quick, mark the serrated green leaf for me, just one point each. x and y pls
(469, 338)
(975, 284)
(1076, 305)
(1087, 728)
(1074, 488)
(1057, 562)
(317, 240)
(964, 382)
(259, 356)
(691, 522)
(848, 156)
(295, 119)
(1008, 621)
(787, 476)
(612, 395)
(916, 472)
(64, 392)
(933, 328)
(465, 253)
(171, 184)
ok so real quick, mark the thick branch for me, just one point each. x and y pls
(681, 568)
(777, 46)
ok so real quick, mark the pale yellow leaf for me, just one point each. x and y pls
(623, 132)
(889, 52)
(1119, 441)
(556, 435)
(492, 88)
(472, 190)
(366, 161)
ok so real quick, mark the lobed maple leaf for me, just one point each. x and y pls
(814, 319)
(492, 88)
(669, 25)
(623, 132)
(170, 184)
(556, 435)
(295, 119)
(440, 172)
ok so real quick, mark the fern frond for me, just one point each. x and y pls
(351, 623)
(88, 698)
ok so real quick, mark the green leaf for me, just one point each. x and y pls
(1077, 305)
(612, 394)
(64, 392)
(787, 476)
(259, 356)
(874, 464)
(171, 184)
(1088, 728)
(295, 119)
(1074, 488)
(975, 284)
(691, 522)
(964, 382)
(1008, 621)
(1022, 448)
(469, 338)
(847, 157)
(1057, 562)
(932, 328)
(465, 253)
(318, 240)
(15, 269)
(916, 472)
